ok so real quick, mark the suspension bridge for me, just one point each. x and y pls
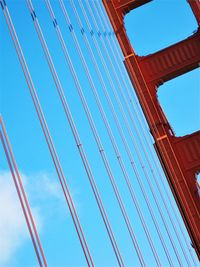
(150, 175)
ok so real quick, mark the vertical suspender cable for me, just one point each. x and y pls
(126, 144)
(133, 139)
(142, 144)
(75, 134)
(22, 196)
(97, 138)
(141, 124)
(108, 128)
(139, 154)
(94, 131)
(47, 134)
(59, 34)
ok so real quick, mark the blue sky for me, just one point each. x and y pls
(149, 29)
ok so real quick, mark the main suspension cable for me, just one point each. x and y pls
(47, 135)
(22, 196)
(75, 133)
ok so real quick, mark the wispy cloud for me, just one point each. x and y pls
(13, 230)
(43, 185)
(40, 187)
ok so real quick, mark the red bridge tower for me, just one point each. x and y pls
(180, 156)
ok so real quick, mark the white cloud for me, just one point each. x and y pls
(13, 230)
(45, 186)
(40, 188)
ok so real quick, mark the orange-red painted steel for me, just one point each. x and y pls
(180, 156)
